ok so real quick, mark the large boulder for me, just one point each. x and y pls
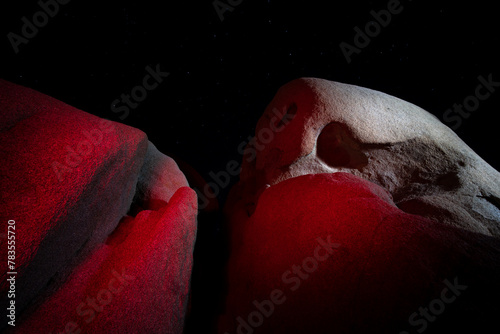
(71, 181)
(327, 127)
(357, 212)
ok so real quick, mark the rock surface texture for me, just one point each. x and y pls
(84, 265)
(412, 213)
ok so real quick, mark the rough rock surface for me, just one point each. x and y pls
(423, 164)
(159, 179)
(67, 179)
(413, 209)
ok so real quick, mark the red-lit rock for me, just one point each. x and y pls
(137, 282)
(382, 266)
(411, 206)
(67, 179)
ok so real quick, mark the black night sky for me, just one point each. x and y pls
(224, 73)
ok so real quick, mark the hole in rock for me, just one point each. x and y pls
(337, 148)
(449, 181)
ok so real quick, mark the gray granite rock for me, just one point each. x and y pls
(335, 127)
(412, 212)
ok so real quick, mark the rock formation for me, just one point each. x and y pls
(73, 182)
(356, 212)
(413, 213)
